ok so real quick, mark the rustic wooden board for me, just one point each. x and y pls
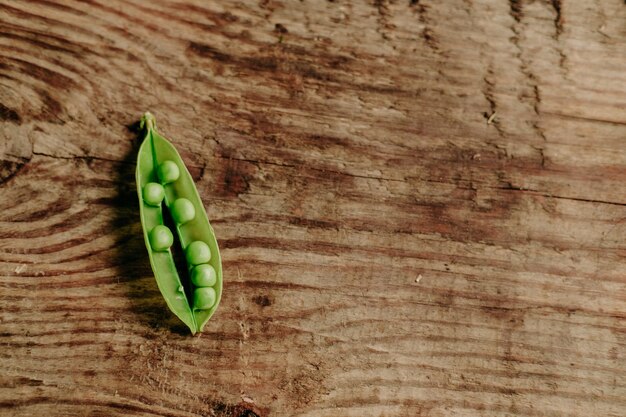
(387, 251)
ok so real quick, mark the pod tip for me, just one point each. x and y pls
(148, 121)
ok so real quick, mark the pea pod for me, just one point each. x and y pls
(164, 183)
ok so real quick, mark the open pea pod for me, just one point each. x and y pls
(162, 177)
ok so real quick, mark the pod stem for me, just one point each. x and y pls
(148, 121)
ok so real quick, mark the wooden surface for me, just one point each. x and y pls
(390, 247)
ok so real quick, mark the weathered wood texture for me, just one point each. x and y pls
(387, 252)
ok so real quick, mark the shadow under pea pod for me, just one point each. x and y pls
(131, 259)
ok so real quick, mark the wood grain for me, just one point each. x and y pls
(421, 207)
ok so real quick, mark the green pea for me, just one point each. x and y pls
(204, 298)
(198, 253)
(153, 193)
(183, 211)
(203, 276)
(161, 238)
(162, 177)
(168, 172)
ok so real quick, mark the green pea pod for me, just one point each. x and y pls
(162, 177)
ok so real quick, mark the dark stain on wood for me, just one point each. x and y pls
(262, 300)
(281, 59)
(235, 177)
(280, 28)
(242, 409)
(9, 115)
